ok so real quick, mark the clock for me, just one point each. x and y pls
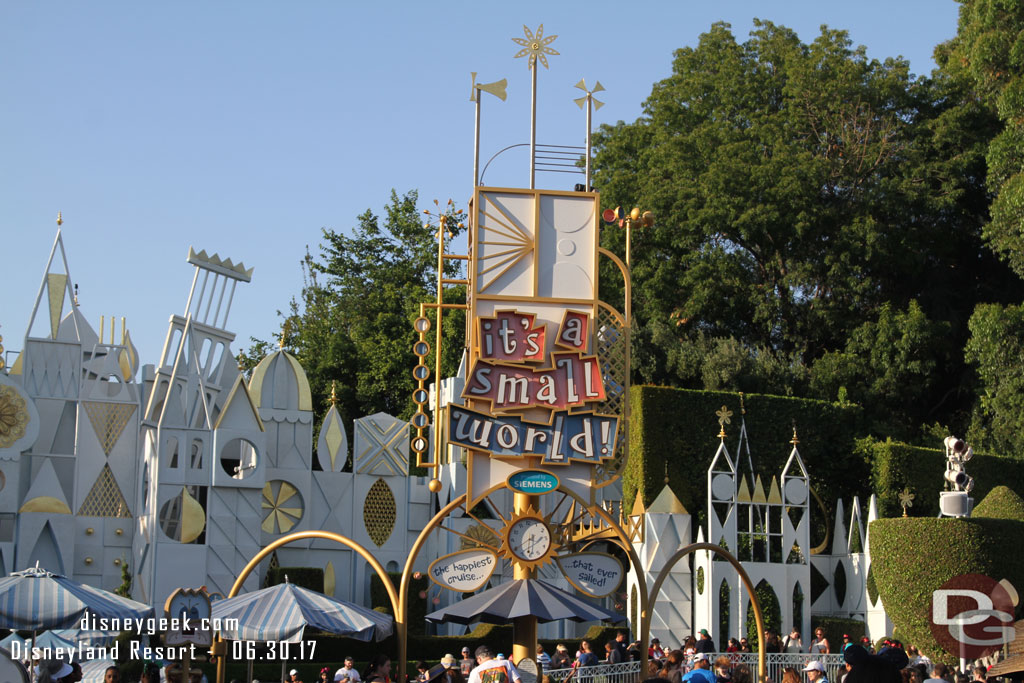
(528, 539)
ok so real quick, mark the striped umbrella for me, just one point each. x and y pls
(49, 640)
(35, 599)
(282, 612)
(520, 598)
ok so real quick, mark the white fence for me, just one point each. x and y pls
(629, 672)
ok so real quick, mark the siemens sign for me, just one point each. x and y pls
(533, 482)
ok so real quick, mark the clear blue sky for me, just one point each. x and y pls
(244, 128)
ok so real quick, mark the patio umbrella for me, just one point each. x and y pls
(35, 599)
(88, 638)
(520, 598)
(282, 612)
(50, 640)
(94, 670)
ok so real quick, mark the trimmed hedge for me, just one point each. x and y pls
(417, 605)
(305, 577)
(675, 431)
(1000, 503)
(913, 557)
(895, 466)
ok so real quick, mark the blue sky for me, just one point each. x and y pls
(244, 128)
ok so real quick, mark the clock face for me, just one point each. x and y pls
(529, 538)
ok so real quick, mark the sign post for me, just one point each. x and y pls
(188, 611)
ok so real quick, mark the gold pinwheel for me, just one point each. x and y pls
(906, 500)
(724, 418)
(535, 46)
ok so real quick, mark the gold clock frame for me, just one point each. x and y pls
(506, 545)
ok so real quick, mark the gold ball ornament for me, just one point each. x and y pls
(635, 213)
(434, 485)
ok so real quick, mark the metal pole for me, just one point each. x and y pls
(442, 226)
(533, 126)
(524, 629)
(476, 141)
(590, 109)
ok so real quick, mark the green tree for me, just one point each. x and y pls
(352, 324)
(996, 349)
(799, 190)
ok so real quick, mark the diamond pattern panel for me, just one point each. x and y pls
(105, 498)
(108, 421)
(379, 512)
(381, 445)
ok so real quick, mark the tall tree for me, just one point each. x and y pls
(799, 189)
(352, 324)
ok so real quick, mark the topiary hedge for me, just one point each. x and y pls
(1000, 503)
(675, 431)
(895, 466)
(418, 606)
(835, 628)
(913, 557)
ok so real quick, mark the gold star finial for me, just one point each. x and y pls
(535, 46)
(724, 418)
(60, 220)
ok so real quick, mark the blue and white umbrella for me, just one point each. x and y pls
(49, 640)
(282, 612)
(35, 599)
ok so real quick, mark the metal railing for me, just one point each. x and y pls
(626, 672)
(775, 663)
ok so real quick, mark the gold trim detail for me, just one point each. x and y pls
(379, 512)
(283, 504)
(46, 504)
(105, 498)
(14, 415)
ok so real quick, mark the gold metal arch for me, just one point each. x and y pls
(401, 624)
(645, 619)
(219, 648)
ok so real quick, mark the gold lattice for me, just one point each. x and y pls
(105, 499)
(483, 533)
(108, 421)
(283, 505)
(379, 512)
(612, 345)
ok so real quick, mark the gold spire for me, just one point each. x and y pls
(794, 440)
(60, 221)
(334, 395)
(666, 472)
(284, 333)
(743, 410)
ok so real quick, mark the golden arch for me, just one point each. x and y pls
(401, 625)
(218, 645)
(645, 619)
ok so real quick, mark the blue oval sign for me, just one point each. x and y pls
(533, 482)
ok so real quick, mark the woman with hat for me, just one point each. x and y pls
(452, 672)
(561, 659)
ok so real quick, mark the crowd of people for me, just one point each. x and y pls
(696, 660)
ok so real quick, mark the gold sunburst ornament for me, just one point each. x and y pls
(724, 418)
(906, 500)
(535, 46)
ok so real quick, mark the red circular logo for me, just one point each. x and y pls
(971, 616)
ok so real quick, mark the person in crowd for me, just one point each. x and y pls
(847, 641)
(689, 648)
(76, 674)
(655, 651)
(792, 642)
(819, 645)
(672, 669)
(919, 659)
(622, 646)
(885, 667)
(865, 643)
(741, 673)
(634, 651)
(112, 674)
(422, 669)
(293, 676)
(51, 670)
(490, 670)
(467, 662)
(723, 669)
(543, 659)
(772, 642)
(561, 659)
(789, 675)
(379, 670)
(611, 653)
(585, 657)
(844, 671)
(452, 671)
(980, 674)
(744, 645)
(705, 644)
(701, 672)
(815, 672)
(733, 646)
(940, 671)
(324, 676)
(347, 673)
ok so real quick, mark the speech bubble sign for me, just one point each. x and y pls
(595, 574)
(465, 571)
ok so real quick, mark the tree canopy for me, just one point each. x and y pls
(805, 194)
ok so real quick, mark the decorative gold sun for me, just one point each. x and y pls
(528, 540)
(536, 46)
